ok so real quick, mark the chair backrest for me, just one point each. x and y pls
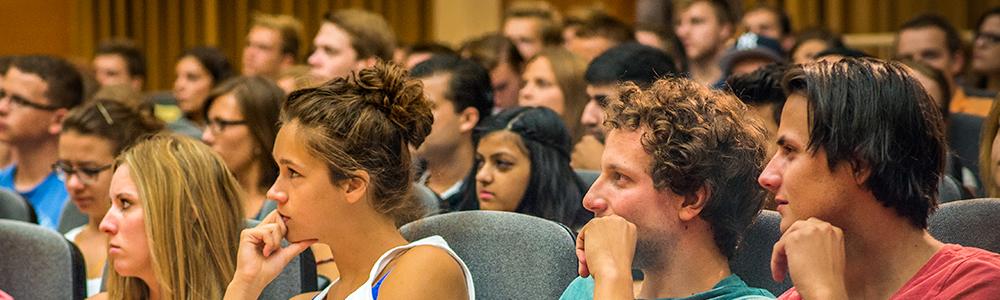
(510, 255)
(752, 261)
(299, 276)
(38, 263)
(71, 217)
(14, 207)
(949, 189)
(970, 222)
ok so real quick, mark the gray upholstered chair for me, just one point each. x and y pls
(38, 263)
(428, 199)
(510, 256)
(14, 207)
(71, 217)
(949, 189)
(968, 223)
(753, 256)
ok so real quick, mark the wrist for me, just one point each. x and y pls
(241, 289)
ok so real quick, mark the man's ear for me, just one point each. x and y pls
(365, 63)
(693, 204)
(468, 118)
(957, 62)
(860, 171)
(355, 187)
(287, 60)
(55, 125)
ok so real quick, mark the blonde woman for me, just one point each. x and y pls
(989, 152)
(554, 79)
(174, 222)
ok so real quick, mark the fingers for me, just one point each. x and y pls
(285, 255)
(779, 262)
(581, 256)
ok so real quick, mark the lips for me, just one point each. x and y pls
(115, 249)
(780, 204)
(283, 217)
(486, 196)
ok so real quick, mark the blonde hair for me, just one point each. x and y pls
(193, 217)
(990, 126)
(568, 70)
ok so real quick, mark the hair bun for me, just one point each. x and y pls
(390, 90)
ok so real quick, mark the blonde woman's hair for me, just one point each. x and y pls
(192, 205)
(569, 71)
(990, 126)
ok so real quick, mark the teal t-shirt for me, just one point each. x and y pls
(731, 287)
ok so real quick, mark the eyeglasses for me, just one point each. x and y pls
(988, 38)
(87, 175)
(218, 125)
(19, 101)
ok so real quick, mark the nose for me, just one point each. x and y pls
(275, 193)
(770, 178)
(484, 176)
(591, 114)
(594, 200)
(314, 59)
(207, 136)
(109, 225)
(74, 183)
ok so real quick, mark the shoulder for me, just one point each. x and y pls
(958, 272)
(425, 272)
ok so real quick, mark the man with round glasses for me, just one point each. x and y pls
(35, 96)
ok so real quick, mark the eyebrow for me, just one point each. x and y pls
(286, 161)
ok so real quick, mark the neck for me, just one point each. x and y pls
(694, 265)
(705, 69)
(250, 181)
(34, 162)
(357, 245)
(883, 251)
(154, 288)
(445, 170)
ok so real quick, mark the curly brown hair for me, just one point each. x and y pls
(698, 138)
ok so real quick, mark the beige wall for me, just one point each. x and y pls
(458, 20)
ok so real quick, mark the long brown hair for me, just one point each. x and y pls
(193, 211)
(569, 70)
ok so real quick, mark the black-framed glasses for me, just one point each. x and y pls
(22, 102)
(87, 175)
(218, 125)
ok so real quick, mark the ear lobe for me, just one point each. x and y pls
(57, 118)
(355, 187)
(693, 204)
(469, 117)
(860, 172)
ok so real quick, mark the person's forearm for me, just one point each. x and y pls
(613, 286)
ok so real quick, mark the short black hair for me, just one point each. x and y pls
(601, 24)
(432, 48)
(952, 39)
(872, 114)
(135, 62)
(633, 62)
(761, 87)
(213, 60)
(65, 83)
(469, 86)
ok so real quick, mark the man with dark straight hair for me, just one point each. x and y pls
(861, 153)
(463, 96)
(932, 40)
(119, 62)
(37, 93)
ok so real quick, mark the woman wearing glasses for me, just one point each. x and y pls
(92, 136)
(242, 119)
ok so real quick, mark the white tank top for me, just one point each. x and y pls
(364, 292)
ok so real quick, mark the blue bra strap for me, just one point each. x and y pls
(378, 285)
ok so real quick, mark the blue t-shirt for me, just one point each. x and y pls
(47, 198)
(731, 287)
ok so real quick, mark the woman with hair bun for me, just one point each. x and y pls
(344, 180)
